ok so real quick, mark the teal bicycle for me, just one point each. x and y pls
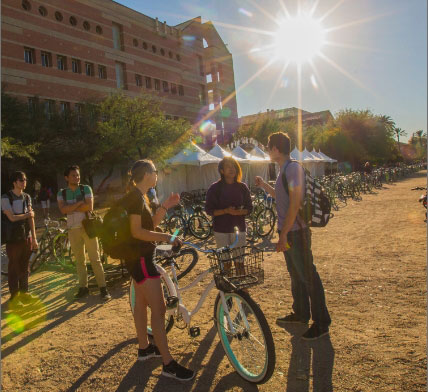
(242, 327)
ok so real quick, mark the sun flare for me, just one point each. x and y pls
(299, 39)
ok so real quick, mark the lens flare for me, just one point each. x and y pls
(245, 12)
(314, 82)
(15, 323)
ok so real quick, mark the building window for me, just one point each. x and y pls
(173, 88)
(46, 59)
(157, 84)
(201, 65)
(209, 78)
(138, 80)
(170, 54)
(162, 52)
(32, 102)
(178, 57)
(64, 107)
(117, 36)
(102, 72)
(73, 21)
(180, 90)
(168, 117)
(145, 45)
(165, 87)
(43, 11)
(29, 56)
(86, 25)
(135, 42)
(49, 108)
(120, 75)
(61, 62)
(58, 16)
(89, 69)
(154, 49)
(99, 30)
(75, 66)
(26, 5)
(148, 82)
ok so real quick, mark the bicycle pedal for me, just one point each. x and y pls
(171, 302)
(194, 332)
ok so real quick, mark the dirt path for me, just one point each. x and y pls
(372, 261)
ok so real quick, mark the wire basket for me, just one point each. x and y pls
(237, 268)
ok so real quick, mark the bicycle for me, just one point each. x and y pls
(4, 261)
(242, 327)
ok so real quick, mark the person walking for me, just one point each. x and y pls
(139, 263)
(44, 197)
(295, 241)
(228, 201)
(76, 201)
(20, 237)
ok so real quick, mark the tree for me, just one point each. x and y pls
(399, 132)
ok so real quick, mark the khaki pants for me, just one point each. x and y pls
(78, 241)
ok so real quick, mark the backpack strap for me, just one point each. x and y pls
(64, 194)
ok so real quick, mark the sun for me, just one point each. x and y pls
(299, 39)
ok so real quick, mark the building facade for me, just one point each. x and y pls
(67, 52)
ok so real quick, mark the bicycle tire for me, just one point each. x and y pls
(176, 222)
(40, 258)
(199, 226)
(61, 250)
(265, 222)
(169, 318)
(4, 263)
(259, 366)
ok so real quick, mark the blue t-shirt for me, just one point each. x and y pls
(296, 177)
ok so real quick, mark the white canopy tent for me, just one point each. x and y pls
(191, 169)
(256, 166)
(258, 152)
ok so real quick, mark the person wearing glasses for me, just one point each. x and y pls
(19, 234)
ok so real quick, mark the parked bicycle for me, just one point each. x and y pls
(242, 327)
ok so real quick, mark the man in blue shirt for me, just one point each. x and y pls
(295, 241)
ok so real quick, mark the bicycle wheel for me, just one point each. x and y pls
(61, 250)
(186, 261)
(176, 223)
(4, 262)
(169, 318)
(265, 222)
(250, 349)
(41, 257)
(200, 227)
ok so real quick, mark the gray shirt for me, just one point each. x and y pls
(295, 177)
(18, 206)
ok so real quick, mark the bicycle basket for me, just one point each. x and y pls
(239, 267)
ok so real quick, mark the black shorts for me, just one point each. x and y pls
(142, 269)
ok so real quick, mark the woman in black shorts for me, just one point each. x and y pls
(148, 291)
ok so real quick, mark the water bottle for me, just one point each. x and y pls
(33, 256)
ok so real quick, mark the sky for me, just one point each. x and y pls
(374, 54)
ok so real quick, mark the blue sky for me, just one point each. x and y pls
(380, 54)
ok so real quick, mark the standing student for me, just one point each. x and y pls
(20, 238)
(44, 197)
(295, 241)
(139, 263)
(228, 202)
(76, 201)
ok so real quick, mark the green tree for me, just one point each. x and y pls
(399, 132)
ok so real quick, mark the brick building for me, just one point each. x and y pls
(66, 52)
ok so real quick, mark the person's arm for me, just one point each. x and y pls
(18, 217)
(172, 201)
(211, 207)
(34, 243)
(265, 186)
(66, 208)
(139, 233)
(88, 205)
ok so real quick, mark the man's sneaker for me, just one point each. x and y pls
(105, 295)
(314, 332)
(83, 292)
(291, 318)
(28, 298)
(175, 370)
(151, 351)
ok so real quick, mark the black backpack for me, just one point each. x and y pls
(115, 233)
(316, 207)
(14, 231)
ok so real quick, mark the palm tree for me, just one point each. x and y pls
(388, 123)
(399, 132)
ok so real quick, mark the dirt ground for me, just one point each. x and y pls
(371, 258)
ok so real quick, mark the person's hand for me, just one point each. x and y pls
(30, 214)
(282, 244)
(34, 244)
(259, 181)
(172, 201)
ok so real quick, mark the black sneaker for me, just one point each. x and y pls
(105, 295)
(291, 318)
(151, 351)
(175, 370)
(83, 292)
(315, 332)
